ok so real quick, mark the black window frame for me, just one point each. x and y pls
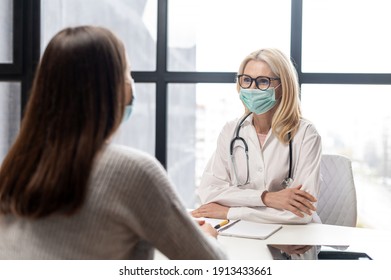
(26, 46)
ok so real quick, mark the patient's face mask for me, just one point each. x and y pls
(129, 107)
(258, 101)
(127, 112)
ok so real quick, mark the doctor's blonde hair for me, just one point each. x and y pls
(287, 117)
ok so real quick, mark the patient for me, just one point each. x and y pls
(65, 191)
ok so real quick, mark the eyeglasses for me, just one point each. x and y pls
(262, 82)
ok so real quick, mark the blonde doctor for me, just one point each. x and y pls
(266, 164)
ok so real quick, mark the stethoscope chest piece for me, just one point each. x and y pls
(286, 182)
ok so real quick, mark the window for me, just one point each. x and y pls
(346, 88)
(139, 131)
(355, 121)
(9, 115)
(198, 111)
(346, 36)
(10, 97)
(6, 30)
(216, 35)
(117, 15)
(140, 43)
(185, 54)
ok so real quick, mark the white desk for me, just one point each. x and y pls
(373, 242)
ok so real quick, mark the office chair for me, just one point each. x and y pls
(337, 202)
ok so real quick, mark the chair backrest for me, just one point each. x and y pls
(337, 202)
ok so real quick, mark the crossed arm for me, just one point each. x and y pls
(293, 199)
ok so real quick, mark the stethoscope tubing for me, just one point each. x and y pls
(241, 139)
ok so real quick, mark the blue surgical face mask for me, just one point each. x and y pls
(258, 101)
(127, 112)
(129, 107)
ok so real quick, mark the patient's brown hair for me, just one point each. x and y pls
(77, 101)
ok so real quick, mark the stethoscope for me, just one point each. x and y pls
(285, 183)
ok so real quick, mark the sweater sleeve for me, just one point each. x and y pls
(160, 218)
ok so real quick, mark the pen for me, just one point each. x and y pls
(230, 225)
(223, 223)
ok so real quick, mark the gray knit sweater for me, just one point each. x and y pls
(131, 208)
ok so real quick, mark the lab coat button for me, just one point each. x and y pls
(260, 169)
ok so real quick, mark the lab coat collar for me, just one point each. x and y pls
(249, 121)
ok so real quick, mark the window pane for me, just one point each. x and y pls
(355, 121)
(216, 35)
(346, 36)
(6, 23)
(196, 114)
(133, 21)
(9, 115)
(139, 131)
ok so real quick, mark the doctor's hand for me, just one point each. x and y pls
(292, 199)
(211, 210)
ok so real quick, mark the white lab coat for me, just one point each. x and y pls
(268, 167)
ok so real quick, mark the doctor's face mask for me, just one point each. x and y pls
(258, 101)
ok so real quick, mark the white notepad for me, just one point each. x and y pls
(253, 230)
